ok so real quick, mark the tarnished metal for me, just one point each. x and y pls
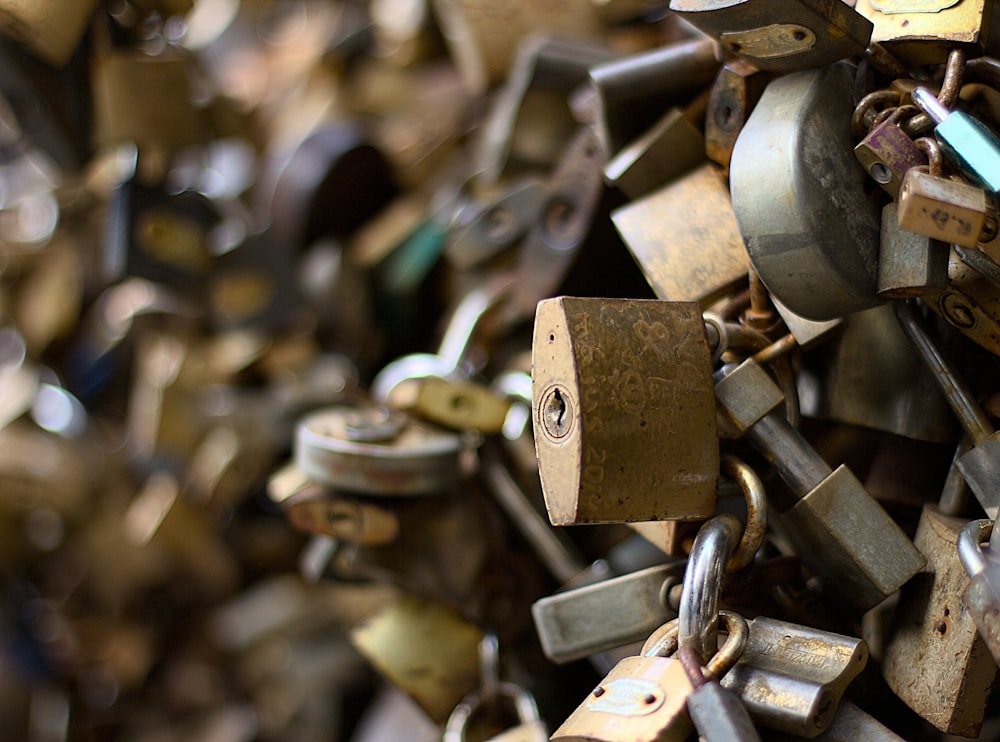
(697, 618)
(425, 649)
(345, 519)
(668, 149)
(695, 255)
(781, 36)
(633, 91)
(909, 264)
(919, 33)
(791, 677)
(718, 715)
(756, 502)
(368, 449)
(52, 29)
(575, 623)
(934, 659)
(736, 91)
(799, 196)
(624, 422)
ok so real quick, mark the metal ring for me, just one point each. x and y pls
(970, 552)
(753, 492)
(706, 568)
(664, 642)
(932, 149)
(524, 706)
(737, 636)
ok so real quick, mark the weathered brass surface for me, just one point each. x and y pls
(624, 413)
(425, 649)
(696, 255)
(919, 32)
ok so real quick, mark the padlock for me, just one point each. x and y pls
(645, 697)
(849, 724)
(632, 92)
(377, 451)
(785, 36)
(835, 541)
(483, 37)
(667, 150)
(575, 623)
(934, 659)
(145, 99)
(940, 208)
(965, 141)
(717, 714)
(887, 153)
(981, 597)
(685, 238)
(548, 251)
(460, 405)
(482, 231)
(923, 32)
(980, 466)
(810, 229)
(734, 95)
(792, 677)
(613, 376)
(530, 119)
(343, 518)
(52, 29)
(898, 395)
(160, 236)
(425, 649)
(909, 264)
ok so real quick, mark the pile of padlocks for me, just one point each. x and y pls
(320, 318)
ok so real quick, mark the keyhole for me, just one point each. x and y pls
(556, 413)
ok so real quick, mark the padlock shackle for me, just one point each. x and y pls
(756, 501)
(970, 550)
(698, 614)
(663, 643)
(524, 706)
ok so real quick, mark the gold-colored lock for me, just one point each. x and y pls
(461, 405)
(425, 649)
(343, 518)
(645, 697)
(624, 415)
(685, 238)
(919, 32)
(52, 29)
(934, 659)
(941, 208)
(145, 99)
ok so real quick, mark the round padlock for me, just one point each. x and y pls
(376, 451)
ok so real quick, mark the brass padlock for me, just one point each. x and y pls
(667, 150)
(685, 238)
(934, 660)
(425, 649)
(52, 29)
(781, 35)
(920, 32)
(623, 415)
(145, 99)
(942, 208)
(645, 697)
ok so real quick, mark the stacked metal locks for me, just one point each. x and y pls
(767, 378)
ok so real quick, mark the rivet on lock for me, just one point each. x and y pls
(623, 418)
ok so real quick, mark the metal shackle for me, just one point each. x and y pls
(663, 643)
(698, 613)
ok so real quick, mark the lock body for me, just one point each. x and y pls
(698, 255)
(642, 698)
(623, 418)
(798, 192)
(919, 33)
(781, 35)
(941, 209)
(887, 153)
(935, 660)
(909, 264)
